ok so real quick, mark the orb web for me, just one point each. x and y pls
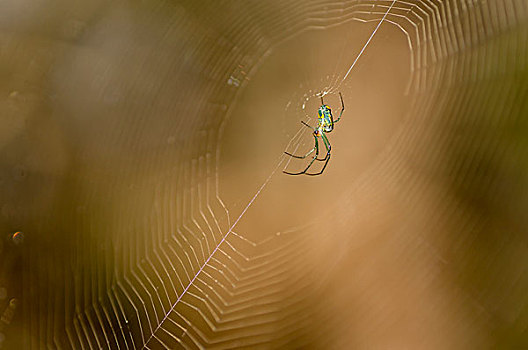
(153, 258)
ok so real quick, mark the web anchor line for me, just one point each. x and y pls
(268, 179)
(368, 41)
(214, 251)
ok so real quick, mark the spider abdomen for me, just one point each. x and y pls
(326, 120)
(328, 127)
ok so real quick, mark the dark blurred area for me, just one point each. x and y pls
(143, 203)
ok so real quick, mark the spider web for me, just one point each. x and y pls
(172, 235)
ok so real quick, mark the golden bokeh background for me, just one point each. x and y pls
(143, 203)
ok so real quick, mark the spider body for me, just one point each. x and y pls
(325, 124)
(326, 120)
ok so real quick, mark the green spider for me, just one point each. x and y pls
(325, 123)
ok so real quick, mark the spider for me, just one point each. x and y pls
(325, 123)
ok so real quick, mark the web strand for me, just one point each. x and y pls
(368, 41)
(246, 208)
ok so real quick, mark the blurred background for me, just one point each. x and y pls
(143, 204)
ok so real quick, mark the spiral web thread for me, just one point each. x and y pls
(179, 281)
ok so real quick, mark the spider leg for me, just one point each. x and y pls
(301, 157)
(316, 148)
(309, 152)
(328, 148)
(326, 158)
(342, 108)
(302, 122)
(320, 172)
